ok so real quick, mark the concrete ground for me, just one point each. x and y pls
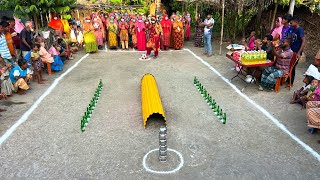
(50, 145)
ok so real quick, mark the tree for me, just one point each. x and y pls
(291, 6)
(260, 9)
(34, 8)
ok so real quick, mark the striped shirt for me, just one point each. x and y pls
(4, 50)
(283, 63)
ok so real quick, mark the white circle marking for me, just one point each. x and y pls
(163, 172)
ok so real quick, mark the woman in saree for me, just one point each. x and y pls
(188, 22)
(112, 34)
(178, 33)
(89, 37)
(56, 24)
(133, 32)
(154, 38)
(166, 27)
(98, 31)
(141, 35)
(124, 37)
(277, 32)
(198, 40)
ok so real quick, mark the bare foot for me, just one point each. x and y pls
(21, 92)
(3, 96)
(40, 82)
(43, 79)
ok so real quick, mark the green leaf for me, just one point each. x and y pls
(33, 8)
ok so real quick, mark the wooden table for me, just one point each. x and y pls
(242, 72)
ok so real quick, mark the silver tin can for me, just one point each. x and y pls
(163, 142)
(163, 148)
(163, 158)
(163, 153)
(162, 136)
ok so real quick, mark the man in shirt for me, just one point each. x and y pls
(15, 37)
(208, 24)
(298, 42)
(4, 50)
(270, 74)
(25, 37)
(6, 28)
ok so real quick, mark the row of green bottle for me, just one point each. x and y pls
(87, 115)
(210, 101)
(253, 57)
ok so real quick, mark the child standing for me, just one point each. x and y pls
(79, 37)
(37, 64)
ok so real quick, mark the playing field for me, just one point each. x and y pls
(50, 145)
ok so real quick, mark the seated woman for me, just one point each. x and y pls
(270, 74)
(313, 115)
(5, 82)
(46, 57)
(58, 63)
(20, 76)
(303, 91)
(60, 47)
(313, 107)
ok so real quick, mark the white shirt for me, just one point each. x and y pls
(16, 73)
(208, 28)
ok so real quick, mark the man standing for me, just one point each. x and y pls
(25, 37)
(298, 42)
(208, 24)
(4, 50)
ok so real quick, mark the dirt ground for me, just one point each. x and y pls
(50, 145)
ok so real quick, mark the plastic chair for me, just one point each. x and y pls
(49, 69)
(280, 80)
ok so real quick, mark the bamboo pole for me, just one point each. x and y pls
(222, 23)
(274, 15)
(196, 14)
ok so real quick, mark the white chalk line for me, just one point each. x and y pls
(136, 51)
(264, 111)
(26, 115)
(144, 163)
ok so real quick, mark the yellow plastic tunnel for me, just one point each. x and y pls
(150, 98)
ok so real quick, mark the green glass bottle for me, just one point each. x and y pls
(220, 114)
(218, 110)
(214, 106)
(224, 120)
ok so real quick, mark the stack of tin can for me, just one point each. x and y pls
(163, 144)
